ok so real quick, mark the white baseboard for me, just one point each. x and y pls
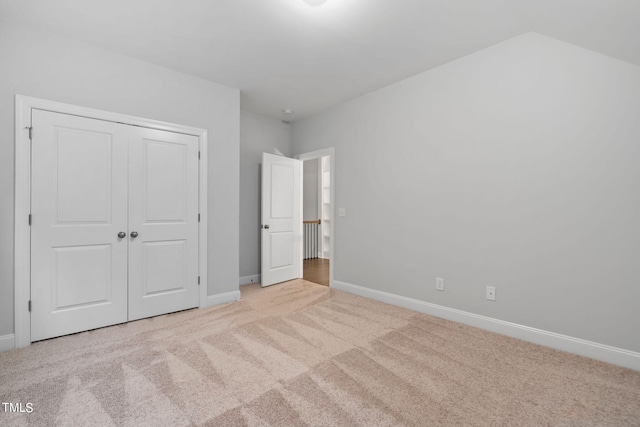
(605, 353)
(249, 280)
(7, 342)
(222, 298)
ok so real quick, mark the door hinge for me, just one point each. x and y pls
(30, 132)
(198, 280)
(198, 217)
(29, 219)
(29, 305)
(198, 155)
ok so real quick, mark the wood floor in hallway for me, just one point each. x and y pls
(316, 270)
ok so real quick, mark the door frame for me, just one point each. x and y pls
(331, 152)
(22, 229)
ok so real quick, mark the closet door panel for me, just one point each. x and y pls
(163, 222)
(79, 205)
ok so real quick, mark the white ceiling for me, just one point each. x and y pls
(285, 54)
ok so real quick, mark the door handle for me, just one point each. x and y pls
(266, 226)
(134, 234)
(122, 235)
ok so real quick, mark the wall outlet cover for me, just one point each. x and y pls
(491, 293)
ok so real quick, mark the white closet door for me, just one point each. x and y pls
(79, 205)
(163, 222)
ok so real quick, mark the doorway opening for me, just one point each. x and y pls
(317, 210)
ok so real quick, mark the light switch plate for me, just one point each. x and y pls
(342, 212)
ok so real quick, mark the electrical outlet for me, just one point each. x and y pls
(491, 293)
(439, 284)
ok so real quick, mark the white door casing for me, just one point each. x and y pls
(325, 205)
(79, 205)
(281, 255)
(330, 154)
(163, 211)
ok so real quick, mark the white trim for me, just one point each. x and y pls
(605, 353)
(22, 242)
(331, 152)
(222, 298)
(320, 209)
(299, 239)
(91, 113)
(22, 231)
(7, 342)
(203, 168)
(249, 280)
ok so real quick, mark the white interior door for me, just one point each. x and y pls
(79, 205)
(163, 222)
(281, 219)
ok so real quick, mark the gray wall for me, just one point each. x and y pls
(310, 190)
(515, 167)
(53, 67)
(258, 134)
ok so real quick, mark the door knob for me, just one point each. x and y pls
(122, 235)
(266, 226)
(134, 234)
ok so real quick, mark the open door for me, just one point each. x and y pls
(281, 219)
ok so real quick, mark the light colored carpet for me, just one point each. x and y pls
(303, 354)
